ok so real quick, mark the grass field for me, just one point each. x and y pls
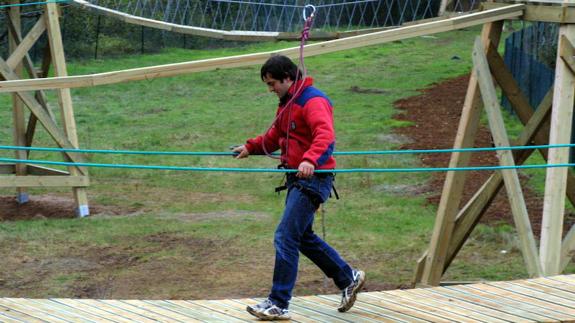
(209, 235)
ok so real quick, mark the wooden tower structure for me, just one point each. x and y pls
(550, 123)
(22, 176)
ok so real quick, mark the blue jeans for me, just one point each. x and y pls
(294, 234)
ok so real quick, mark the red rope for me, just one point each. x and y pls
(301, 67)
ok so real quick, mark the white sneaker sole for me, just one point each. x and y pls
(265, 317)
(354, 293)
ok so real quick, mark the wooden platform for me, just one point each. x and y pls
(535, 300)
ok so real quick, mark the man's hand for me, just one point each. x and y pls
(242, 152)
(305, 169)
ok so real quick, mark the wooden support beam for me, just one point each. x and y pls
(25, 44)
(556, 179)
(471, 213)
(568, 248)
(566, 52)
(443, 7)
(46, 61)
(148, 73)
(40, 97)
(18, 113)
(44, 181)
(540, 13)
(65, 100)
(59, 63)
(524, 111)
(510, 176)
(44, 118)
(32, 121)
(454, 182)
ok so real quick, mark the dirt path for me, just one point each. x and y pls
(435, 114)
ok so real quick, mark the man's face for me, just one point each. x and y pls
(279, 87)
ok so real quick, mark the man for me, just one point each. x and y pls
(303, 130)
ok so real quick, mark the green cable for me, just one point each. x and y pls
(341, 153)
(275, 170)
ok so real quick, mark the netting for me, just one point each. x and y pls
(29, 15)
(88, 35)
(463, 5)
(530, 55)
(276, 15)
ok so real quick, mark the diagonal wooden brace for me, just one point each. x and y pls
(510, 176)
(32, 72)
(556, 178)
(566, 52)
(26, 43)
(524, 110)
(454, 181)
(51, 127)
(471, 213)
(567, 248)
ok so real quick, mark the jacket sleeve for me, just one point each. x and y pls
(319, 117)
(270, 138)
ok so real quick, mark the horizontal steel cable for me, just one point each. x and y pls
(275, 170)
(340, 153)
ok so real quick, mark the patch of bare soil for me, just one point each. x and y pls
(48, 206)
(435, 115)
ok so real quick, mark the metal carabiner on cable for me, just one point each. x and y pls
(305, 10)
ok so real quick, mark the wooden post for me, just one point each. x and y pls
(510, 176)
(443, 7)
(568, 248)
(25, 44)
(42, 115)
(454, 182)
(65, 98)
(18, 115)
(471, 213)
(556, 179)
(524, 111)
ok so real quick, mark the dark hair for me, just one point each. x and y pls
(280, 67)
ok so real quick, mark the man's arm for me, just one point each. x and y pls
(270, 139)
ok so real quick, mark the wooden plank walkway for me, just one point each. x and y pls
(550, 299)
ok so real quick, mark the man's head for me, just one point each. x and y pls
(279, 73)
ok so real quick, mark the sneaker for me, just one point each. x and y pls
(349, 294)
(267, 311)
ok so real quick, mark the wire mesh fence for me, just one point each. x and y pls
(463, 5)
(276, 15)
(530, 56)
(88, 35)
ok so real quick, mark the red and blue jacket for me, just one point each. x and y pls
(311, 135)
